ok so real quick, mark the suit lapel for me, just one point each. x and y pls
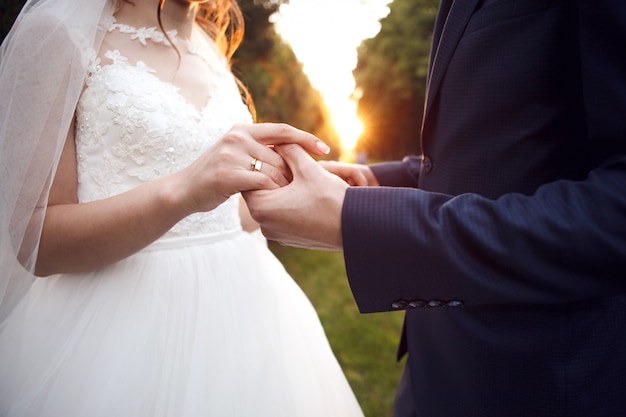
(451, 30)
(442, 16)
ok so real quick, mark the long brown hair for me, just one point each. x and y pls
(223, 21)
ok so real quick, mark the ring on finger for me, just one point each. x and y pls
(256, 165)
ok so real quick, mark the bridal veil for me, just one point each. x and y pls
(43, 64)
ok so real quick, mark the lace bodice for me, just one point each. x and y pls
(132, 127)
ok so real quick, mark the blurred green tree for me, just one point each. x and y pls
(390, 80)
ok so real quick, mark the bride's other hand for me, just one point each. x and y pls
(353, 174)
(242, 160)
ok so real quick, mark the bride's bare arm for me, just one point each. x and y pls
(78, 237)
(84, 236)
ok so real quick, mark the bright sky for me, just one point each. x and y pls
(324, 35)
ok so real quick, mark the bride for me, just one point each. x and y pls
(124, 145)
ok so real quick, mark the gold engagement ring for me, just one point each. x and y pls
(256, 165)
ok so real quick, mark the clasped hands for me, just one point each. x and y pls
(296, 200)
(307, 212)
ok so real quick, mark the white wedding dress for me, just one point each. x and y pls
(203, 322)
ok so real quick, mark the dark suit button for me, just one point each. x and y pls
(427, 164)
(435, 303)
(455, 303)
(399, 305)
(417, 304)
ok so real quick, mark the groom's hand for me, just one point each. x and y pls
(307, 212)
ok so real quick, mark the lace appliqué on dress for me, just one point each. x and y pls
(142, 34)
(155, 35)
(132, 127)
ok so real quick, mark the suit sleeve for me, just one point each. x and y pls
(565, 242)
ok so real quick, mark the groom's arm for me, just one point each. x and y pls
(566, 242)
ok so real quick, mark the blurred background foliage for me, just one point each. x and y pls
(391, 80)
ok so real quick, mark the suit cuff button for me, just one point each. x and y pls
(399, 305)
(435, 303)
(455, 303)
(417, 304)
(427, 164)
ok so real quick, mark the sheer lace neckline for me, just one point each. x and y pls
(145, 33)
(154, 34)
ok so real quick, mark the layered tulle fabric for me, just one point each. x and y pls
(213, 329)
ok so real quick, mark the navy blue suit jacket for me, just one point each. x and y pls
(506, 240)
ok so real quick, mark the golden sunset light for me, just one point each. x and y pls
(347, 123)
(324, 35)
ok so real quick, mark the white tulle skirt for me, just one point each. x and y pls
(212, 326)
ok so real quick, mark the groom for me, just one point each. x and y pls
(505, 242)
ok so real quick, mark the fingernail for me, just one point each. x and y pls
(322, 147)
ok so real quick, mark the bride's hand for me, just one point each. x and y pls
(353, 174)
(242, 160)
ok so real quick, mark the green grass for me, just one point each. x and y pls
(365, 344)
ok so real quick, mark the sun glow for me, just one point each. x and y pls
(348, 125)
(324, 35)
